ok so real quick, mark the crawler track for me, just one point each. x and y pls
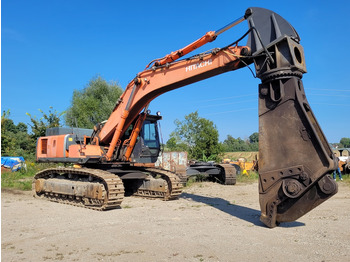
(173, 187)
(97, 189)
(89, 188)
(229, 174)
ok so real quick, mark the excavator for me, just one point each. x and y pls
(295, 159)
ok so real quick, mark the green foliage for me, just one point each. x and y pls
(39, 126)
(15, 140)
(93, 104)
(208, 158)
(254, 138)
(16, 180)
(232, 144)
(175, 144)
(346, 179)
(23, 178)
(345, 141)
(195, 179)
(251, 177)
(196, 135)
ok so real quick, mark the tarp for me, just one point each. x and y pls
(15, 163)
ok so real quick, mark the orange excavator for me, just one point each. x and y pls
(295, 159)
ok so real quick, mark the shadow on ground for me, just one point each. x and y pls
(245, 213)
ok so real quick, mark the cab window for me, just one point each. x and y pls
(150, 134)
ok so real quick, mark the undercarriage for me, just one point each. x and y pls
(104, 190)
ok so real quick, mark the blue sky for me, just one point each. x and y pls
(50, 48)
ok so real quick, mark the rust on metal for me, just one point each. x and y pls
(70, 188)
(90, 188)
(102, 190)
(295, 159)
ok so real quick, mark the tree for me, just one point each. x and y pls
(345, 141)
(93, 104)
(254, 142)
(254, 138)
(15, 141)
(39, 126)
(232, 144)
(175, 144)
(196, 135)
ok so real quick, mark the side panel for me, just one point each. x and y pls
(75, 151)
(51, 146)
(172, 161)
(63, 148)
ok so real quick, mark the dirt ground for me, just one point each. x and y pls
(210, 222)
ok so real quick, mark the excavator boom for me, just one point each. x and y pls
(151, 83)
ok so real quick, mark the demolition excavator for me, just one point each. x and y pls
(295, 159)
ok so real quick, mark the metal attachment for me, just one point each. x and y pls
(292, 188)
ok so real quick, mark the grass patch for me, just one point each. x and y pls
(190, 182)
(9, 181)
(126, 206)
(22, 179)
(251, 177)
(346, 179)
(195, 179)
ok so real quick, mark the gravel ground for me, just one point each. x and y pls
(210, 222)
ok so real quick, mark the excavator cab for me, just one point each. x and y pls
(147, 147)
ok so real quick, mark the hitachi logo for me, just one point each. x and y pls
(199, 65)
